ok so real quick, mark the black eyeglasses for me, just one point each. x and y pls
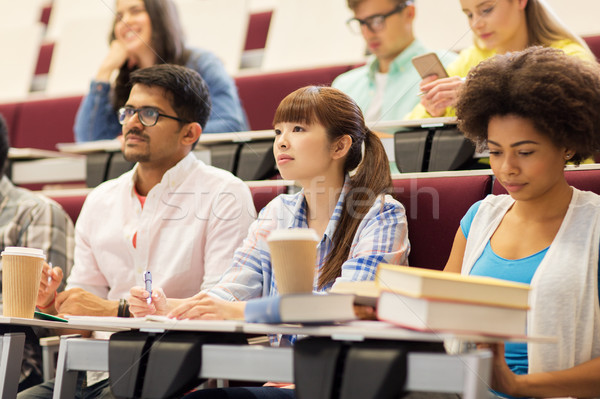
(148, 115)
(375, 23)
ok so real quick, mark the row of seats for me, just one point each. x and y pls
(434, 202)
(43, 123)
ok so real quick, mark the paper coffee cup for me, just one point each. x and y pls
(293, 259)
(21, 273)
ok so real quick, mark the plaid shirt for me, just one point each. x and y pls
(382, 236)
(31, 220)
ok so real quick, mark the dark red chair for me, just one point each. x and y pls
(434, 208)
(44, 123)
(258, 29)
(594, 43)
(582, 179)
(261, 94)
(44, 58)
(71, 204)
(264, 194)
(10, 112)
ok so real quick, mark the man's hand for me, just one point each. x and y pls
(139, 307)
(79, 302)
(49, 282)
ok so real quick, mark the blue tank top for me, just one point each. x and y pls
(519, 270)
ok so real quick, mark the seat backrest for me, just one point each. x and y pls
(10, 112)
(261, 94)
(71, 203)
(78, 51)
(219, 26)
(594, 43)
(20, 46)
(44, 123)
(263, 194)
(582, 179)
(326, 40)
(258, 29)
(434, 208)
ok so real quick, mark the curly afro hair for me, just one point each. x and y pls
(559, 94)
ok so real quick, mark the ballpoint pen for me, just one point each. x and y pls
(148, 283)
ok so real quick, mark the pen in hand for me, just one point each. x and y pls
(148, 283)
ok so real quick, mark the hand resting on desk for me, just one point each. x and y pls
(79, 302)
(200, 306)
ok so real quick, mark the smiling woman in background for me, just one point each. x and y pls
(499, 27)
(145, 33)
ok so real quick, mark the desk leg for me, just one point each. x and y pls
(478, 374)
(11, 356)
(65, 382)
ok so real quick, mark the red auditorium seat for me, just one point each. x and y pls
(45, 15)
(71, 204)
(43, 123)
(594, 43)
(261, 94)
(434, 208)
(262, 195)
(258, 29)
(10, 113)
(45, 56)
(582, 179)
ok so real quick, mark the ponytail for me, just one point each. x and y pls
(372, 179)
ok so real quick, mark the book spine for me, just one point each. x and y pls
(263, 310)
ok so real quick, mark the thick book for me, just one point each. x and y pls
(300, 308)
(435, 284)
(425, 314)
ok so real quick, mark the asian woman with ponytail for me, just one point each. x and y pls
(320, 135)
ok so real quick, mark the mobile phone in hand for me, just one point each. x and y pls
(429, 64)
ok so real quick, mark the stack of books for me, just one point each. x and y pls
(431, 300)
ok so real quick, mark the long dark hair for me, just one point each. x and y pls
(340, 116)
(167, 43)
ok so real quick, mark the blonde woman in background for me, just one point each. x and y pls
(499, 27)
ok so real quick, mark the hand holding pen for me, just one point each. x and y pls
(144, 300)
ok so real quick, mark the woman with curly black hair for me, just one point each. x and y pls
(535, 111)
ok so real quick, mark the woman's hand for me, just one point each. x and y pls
(116, 57)
(205, 307)
(139, 307)
(439, 94)
(49, 282)
(503, 379)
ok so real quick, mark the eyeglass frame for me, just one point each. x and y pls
(122, 111)
(369, 20)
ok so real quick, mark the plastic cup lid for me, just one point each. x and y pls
(293, 234)
(23, 251)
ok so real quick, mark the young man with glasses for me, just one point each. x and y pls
(171, 215)
(387, 87)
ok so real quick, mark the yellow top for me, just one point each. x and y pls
(472, 56)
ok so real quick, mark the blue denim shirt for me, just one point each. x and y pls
(96, 119)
